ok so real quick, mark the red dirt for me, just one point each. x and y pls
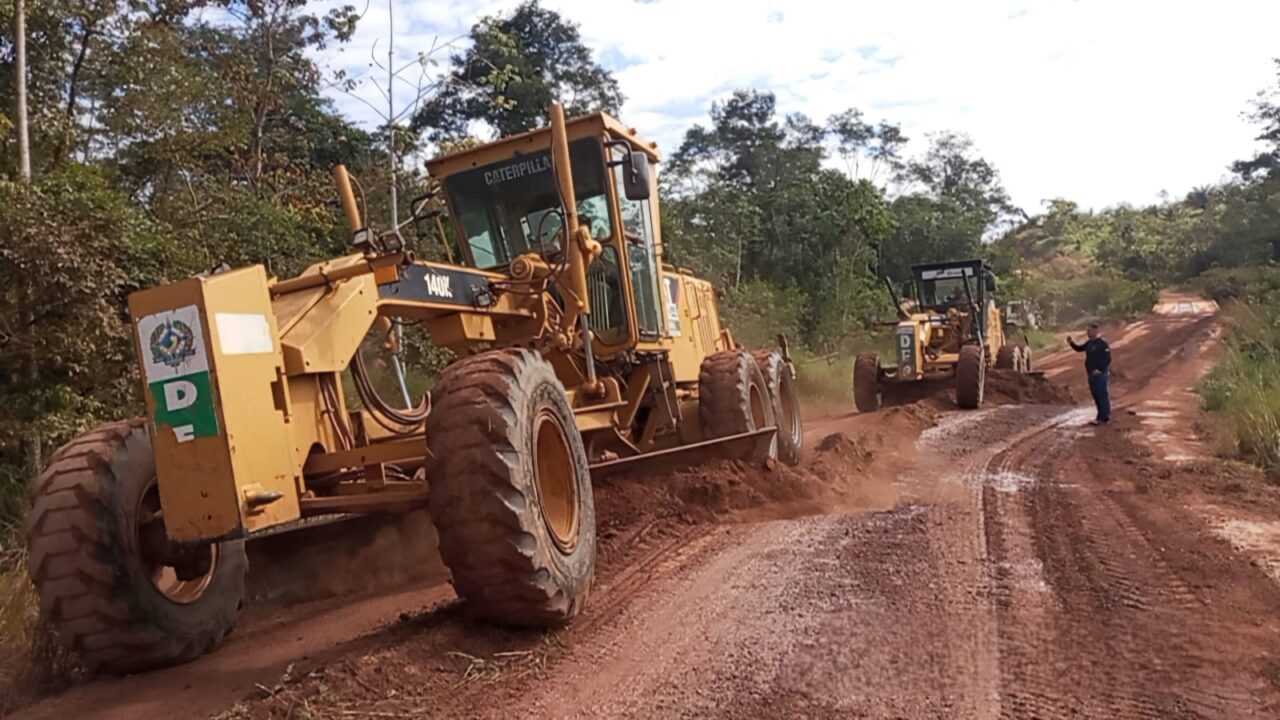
(921, 563)
(1003, 387)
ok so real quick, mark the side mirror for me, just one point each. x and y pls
(635, 176)
(991, 282)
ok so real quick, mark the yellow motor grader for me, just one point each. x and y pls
(950, 329)
(579, 352)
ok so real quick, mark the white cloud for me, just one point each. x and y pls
(1096, 100)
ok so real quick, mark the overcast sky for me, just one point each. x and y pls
(1099, 101)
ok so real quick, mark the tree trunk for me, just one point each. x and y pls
(34, 446)
(20, 85)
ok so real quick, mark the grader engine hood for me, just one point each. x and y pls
(212, 369)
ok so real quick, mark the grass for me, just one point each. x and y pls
(31, 660)
(825, 382)
(1042, 340)
(1242, 393)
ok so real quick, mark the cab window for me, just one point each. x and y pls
(637, 226)
(512, 207)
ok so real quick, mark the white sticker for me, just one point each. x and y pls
(172, 344)
(673, 305)
(243, 333)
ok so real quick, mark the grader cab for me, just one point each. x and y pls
(949, 330)
(579, 352)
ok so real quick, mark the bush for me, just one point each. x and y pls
(72, 248)
(1096, 297)
(1250, 284)
(1242, 393)
(756, 312)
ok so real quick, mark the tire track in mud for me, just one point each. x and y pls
(663, 556)
(1091, 620)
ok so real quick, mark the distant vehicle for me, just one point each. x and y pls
(951, 330)
(1021, 314)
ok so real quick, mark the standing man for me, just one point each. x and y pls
(1097, 362)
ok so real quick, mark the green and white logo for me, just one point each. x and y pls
(177, 372)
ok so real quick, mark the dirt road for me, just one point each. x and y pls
(1010, 562)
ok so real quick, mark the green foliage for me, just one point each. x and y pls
(71, 249)
(1266, 113)
(1102, 296)
(1242, 392)
(750, 205)
(1255, 285)
(952, 198)
(758, 311)
(514, 68)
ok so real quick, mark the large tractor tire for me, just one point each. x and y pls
(510, 490)
(117, 592)
(866, 382)
(733, 399)
(780, 380)
(971, 377)
(1008, 357)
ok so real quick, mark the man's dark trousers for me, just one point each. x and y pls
(1099, 387)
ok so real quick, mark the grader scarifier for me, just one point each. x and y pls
(579, 352)
(950, 331)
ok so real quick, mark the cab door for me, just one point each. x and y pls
(637, 225)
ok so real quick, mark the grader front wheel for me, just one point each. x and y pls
(866, 382)
(971, 377)
(116, 590)
(510, 492)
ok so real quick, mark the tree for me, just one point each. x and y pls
(223, 133)
(1265, 112)
(515, 67)
(161, 145)
(950, 198)
(89, 247)
(753, 208)
(859, 142)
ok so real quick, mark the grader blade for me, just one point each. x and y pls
(749, 446)
(907, 392)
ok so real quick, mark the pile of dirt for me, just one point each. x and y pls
(1007, 386)
(1004, 387)
(846, 466)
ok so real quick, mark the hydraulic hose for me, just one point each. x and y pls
(382, 412)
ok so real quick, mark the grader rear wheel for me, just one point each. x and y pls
(780, 381)
(733, 398)
(510, 492)
(866, 382)
(971, 377)
(110, 582)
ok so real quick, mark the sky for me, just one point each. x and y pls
(1097, 101)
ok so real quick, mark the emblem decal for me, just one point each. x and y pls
(172, 343)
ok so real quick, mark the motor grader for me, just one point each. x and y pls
(579, 352)
(949, 330)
